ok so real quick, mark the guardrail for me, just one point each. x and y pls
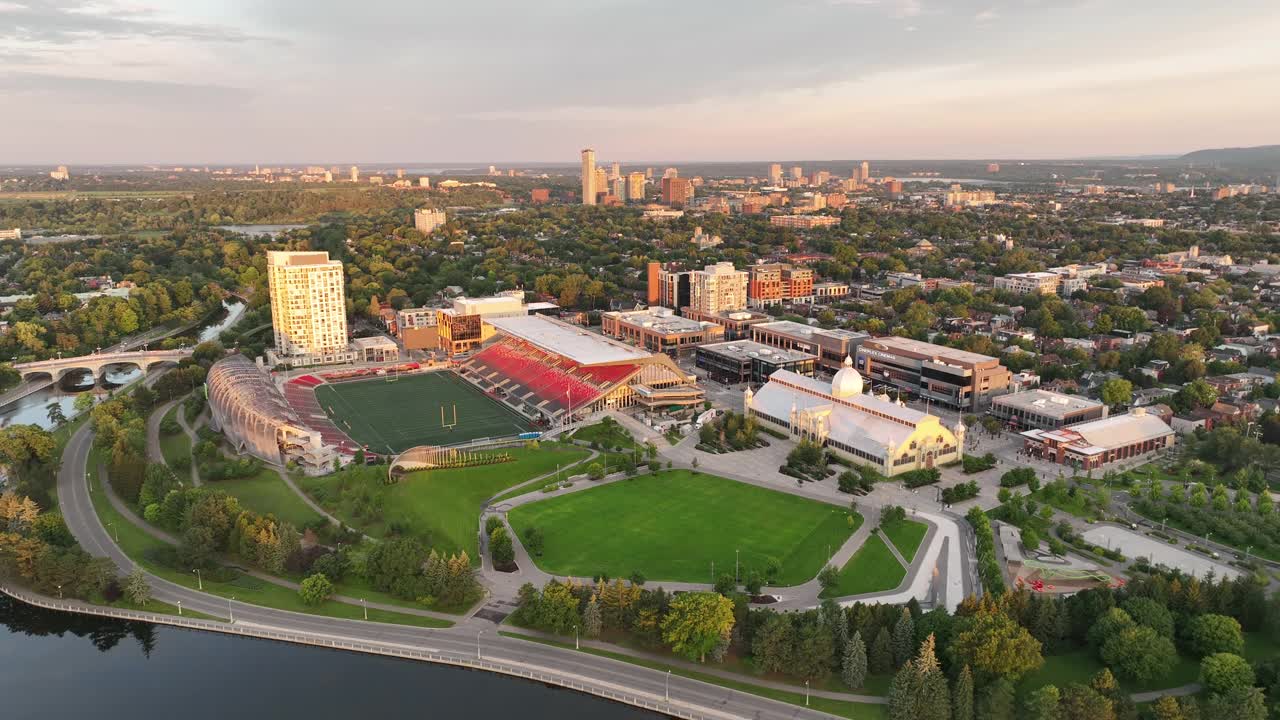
(672, 709)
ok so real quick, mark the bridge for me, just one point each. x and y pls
(97, 363)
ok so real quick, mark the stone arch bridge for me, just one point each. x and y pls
(97, 363)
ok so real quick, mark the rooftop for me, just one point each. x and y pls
(1113, 432)
(929, 349)
(1046, 402)
(659, 319)
(746, 349)
(574, 342)
(791, 327)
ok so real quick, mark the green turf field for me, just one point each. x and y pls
(393, 416)
(872, 569)
(674, 525)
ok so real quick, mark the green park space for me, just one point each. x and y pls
(439, 507)
(906, 535)
(873, 568)
(267, 493)
(607, 433)
(175, 446)
(675, 525)
(146, 550)
(839, 708)
(391, 415)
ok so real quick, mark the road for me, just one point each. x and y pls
(471, 637)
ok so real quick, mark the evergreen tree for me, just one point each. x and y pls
(853, 665)
(880, 658)
(997, 701)
(136, 588)
(592, 620)
(935, 695)
(904, 638)
(1042, 704)
(962, 696)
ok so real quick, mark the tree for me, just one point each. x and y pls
(881, 656)
(696, 623)
(919, 690)
(904, 638)
(962, 696)
(993, 645)
(57, 418)
(501, 548)
(315, 589)
(533, 541)
(1148, 612)
(1238, 704)
(83, 403)
(1209, 633)
(1139, 653)
(997, 701)
(1042, 704)
(829, 578)
(1224, 672)
(1081, 702)
(774, 643)
(1167, 708)
(1197, 394)
(595, 471)
(136, 587)
(1117, 392)
(592, 620)
(853, 663)
(1109, 625)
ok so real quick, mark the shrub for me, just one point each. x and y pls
(1018, 476)
(1224, 672)
(976, 464)
(315, 589)
(959, 493)
(921, 477)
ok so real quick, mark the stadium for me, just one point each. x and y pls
(537, 374)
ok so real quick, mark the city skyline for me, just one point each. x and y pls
(235, 82)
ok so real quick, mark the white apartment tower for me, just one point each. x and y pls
(427, 220)
(775, 174)
(308, 304)
(355, 174)
(588, 177)
(718, 288)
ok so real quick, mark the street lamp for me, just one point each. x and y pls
(667, 688)
(114, 531)
(365, 608)
(231, 617)
(199, 579)
(59, 592)
(576, 646)
(806, 693)
(179, 607)
(478, 634)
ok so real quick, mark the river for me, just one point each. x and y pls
(33, 409)
(60, 665)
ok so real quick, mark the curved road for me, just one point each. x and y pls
(470, 637)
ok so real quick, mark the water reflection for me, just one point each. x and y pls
(102, 633)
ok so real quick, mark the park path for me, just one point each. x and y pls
(154, 451)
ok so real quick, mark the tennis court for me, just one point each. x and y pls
(391, 416)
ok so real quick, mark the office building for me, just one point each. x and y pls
(417, 329)
(659, 329)
(829, 291)
(540, 196)
(717, 288)
(355, 174)
(62, 173)
(742, 361)
(676, 191)
(1091, 445)
(635, 186)
(308, 308)
(618, 188)
(830, 346)
(969, 198)
(736, 323)
(427, 220)
(465, 326)
(865, 429)
(615, 171)
(953, 377)
(775, 174)
(1045, 409)
(588, 177)
(797, 173)
(864, 171)
(803, 222)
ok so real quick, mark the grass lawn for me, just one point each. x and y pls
(906, 535)
(673, 525)
(136, 543)
(839, 708)
(611, 434)
(266, 493)
(158, 608)
(1080, 665)
(564, 473)
(440, 507)
(175, 448)
(395, 416)
(872, 569)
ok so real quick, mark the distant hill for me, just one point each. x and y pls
(1263, 157)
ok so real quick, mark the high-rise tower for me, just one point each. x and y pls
(588, 177)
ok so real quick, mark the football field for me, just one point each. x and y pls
(391, 416)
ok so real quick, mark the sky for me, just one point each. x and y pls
(420, 81)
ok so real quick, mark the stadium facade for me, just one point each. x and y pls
(866, 429)
(250, 411)
(554, 371)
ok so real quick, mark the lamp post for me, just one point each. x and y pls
(114, 531)
(478, 634)
(199, 579)
(179, 607)
(806, 693)
(735, 565)
(59, 592)
(365, 608)
(667, 687)
(231, 616)
(576, 645)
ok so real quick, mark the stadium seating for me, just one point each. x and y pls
(533, 376)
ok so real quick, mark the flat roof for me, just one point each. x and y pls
(747, 349)
(1091, 438)
(377, 341)
(791, 327)
(659, 319)
(925, 348)
(572, 341)
(1046, 402)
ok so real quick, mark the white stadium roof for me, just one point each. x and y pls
(559, 338)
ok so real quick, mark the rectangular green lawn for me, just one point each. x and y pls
(673, 525)
(266, 493)
(872, 569)
(906, 535)
(176, 448)
(393, 416)
(440, 507)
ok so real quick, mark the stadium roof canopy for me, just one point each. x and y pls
(576, 343)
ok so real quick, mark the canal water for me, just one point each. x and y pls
(34, 408)
(61, 665)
